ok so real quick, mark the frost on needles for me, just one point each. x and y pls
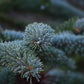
(38, 49)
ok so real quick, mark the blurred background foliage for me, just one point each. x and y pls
(16, 14)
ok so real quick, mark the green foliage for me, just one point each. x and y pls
(66, 37)
(55, 58)
(79, 26)
(58, 76)
(69, 43)
(67, 25)
(5, 17)
(5, 5)
(63, 9)
(19, 5)
(10, 35)
(40, 48)
(7, 76)
(13, 35)
(26, 5)
(19, 60)
(2, 36)
(70, 39)
(38, 35)
(53, 7)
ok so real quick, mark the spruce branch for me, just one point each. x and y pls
(69, 43)
(55, 58)
(12, 35)
(21, 61)
(67, 25)
(57, 76)
(41, 44)
(35, 36)
(38, 35)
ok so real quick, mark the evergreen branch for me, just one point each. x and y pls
(69, 43)
(57, 76)
(13, 35)
(55, 58)
(21, 61)
(67, 25)
(41, 43)
(35, 37)
(38, 34)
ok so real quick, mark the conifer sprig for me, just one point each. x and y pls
(69, 43)
(12, 35)
(67, 25)
(55, 58)
(21, 61)
(38, 35)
